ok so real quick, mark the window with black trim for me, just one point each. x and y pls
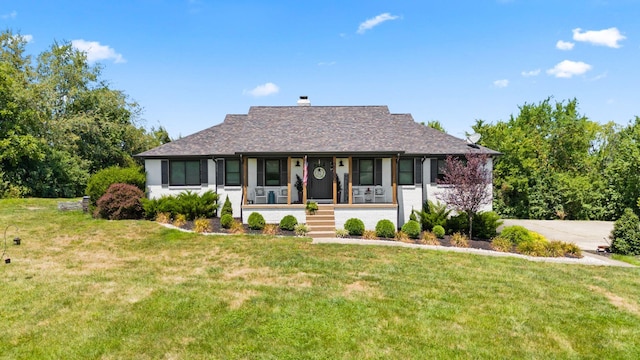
(184, 172)
(272, 172)
(405, 172)
(232, 172)
(441, 167)
(366, 171)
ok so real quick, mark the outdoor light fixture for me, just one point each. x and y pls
(297, 163)
(340, 164)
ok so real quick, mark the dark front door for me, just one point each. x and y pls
(320, 179)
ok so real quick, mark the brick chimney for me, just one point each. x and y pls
(304, 101)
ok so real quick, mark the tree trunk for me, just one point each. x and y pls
(470, 226)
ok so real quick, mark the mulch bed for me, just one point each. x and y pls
(446, 241)
(216, 228)
(473, 244)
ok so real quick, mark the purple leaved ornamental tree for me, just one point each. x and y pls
(470, 184)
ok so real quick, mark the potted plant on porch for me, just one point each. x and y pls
(298, 186)
(311, 207)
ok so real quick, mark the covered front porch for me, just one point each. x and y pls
(339, 180)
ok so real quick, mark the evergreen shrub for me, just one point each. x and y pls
(256, 221)
(288, 222)
(354, 226)
(412, 229)
(385, 229)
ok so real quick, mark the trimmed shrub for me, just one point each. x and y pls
(438, 231)
(342, 233)
(501, 244)
(516, 234)
(485, 225)
(412, 229)
(256, 221)
(625, 236)
(226, 221)
(385, 229)
(270, 229)
(301, 229)
(100, 181)
(354, 226)
(121, 201)
(236, 227)
(288, 222)
(180, 220)
(226, 208)
(369, 235)
(429, 238)
(202, 225)
(459, 240)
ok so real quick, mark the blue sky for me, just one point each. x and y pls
(188, 63)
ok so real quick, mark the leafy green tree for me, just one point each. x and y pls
(557, 163)
(60, 122)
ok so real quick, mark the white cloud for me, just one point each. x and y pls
(568, 68)
(607, 37)
(371, 23)
(263, 90)
(96, 52)
(11, 15)
(503, 83)
(531, 73)
(564, 45)
(26, 38)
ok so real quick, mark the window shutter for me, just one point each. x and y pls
(260, 172)
(434, 170)
(165, 172)
(417, 172)
(283, 172)
(356, 173)
(378, 172)
(220, 172)
(204, 171)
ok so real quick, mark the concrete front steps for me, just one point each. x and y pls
(322, 224)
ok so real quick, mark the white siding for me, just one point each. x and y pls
(273, 215)
(409, 198)
(369, 215)
(434, 191)
(153, 168)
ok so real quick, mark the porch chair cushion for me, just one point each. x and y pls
(259, 192)
(283, 192)
(379, 191)
(356, 192)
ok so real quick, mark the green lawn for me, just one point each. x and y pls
(81, 288)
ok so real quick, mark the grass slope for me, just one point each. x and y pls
(84, 288)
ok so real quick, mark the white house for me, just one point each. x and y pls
(361, 160)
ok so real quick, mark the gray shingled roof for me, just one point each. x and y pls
(316, 129)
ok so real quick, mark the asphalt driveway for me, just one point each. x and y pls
(586, 234)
